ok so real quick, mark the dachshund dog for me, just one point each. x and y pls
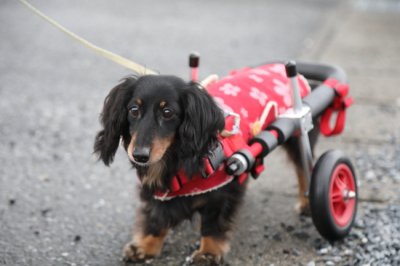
(167, 125)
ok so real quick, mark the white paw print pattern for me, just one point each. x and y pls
(283, 90)
(279, 69)
(261, 72)
(260, 96)
(221, 103)
(256, 78)
(230, 89)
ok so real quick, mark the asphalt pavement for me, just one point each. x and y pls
(59, 206)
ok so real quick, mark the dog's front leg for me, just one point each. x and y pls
(215, 238)
(148, 238)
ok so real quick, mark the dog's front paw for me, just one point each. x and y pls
(206, 259)
(133, 253)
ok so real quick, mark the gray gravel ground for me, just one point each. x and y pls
(58, 206)
(375, 238)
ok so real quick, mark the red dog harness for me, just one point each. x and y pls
(248, 92)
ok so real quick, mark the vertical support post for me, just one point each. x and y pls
(304, 141)
(194, 61)
(291, 73)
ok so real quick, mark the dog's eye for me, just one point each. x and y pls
(167, 113)
(134, 111)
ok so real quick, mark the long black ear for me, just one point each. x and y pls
(202, 120)
(114, 120)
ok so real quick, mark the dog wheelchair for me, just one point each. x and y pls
(331, 181)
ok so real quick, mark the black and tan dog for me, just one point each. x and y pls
(166, 125)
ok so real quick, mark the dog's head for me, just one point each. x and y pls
(161, 120)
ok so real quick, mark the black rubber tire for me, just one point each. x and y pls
(321, 212)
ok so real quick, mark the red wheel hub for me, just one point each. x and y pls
(342, 195)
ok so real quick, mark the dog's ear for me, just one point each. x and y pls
(202, 121)
(114, 121)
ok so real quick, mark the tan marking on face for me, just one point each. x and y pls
(156, 165)
(131, 146)
(159, 148)
(139, 101)
(163, 104)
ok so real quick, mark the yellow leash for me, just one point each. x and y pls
(103, 52)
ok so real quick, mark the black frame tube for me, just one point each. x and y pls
(318, 100)
(321, 72)
(322, 96)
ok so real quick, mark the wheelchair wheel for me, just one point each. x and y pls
(333, 195)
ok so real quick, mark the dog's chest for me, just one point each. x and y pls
(251, 91)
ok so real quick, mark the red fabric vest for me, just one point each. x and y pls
(248, 91)
(245, 92)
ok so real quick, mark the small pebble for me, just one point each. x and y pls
(348, 252)
(370, 175)
(296, 252)
(311, 263)
(323, 251)
(277, 237)
(302, 235)
(359, 224)
(148, 261)
(285, 251)
(44, 212)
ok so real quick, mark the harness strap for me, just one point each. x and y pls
(213, 175)
(178, 181)
(338, 107)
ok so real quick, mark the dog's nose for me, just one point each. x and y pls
(141, 155)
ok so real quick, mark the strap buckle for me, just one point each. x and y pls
(213, 161)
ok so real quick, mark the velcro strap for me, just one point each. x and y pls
(338, 107)
(178, 181)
